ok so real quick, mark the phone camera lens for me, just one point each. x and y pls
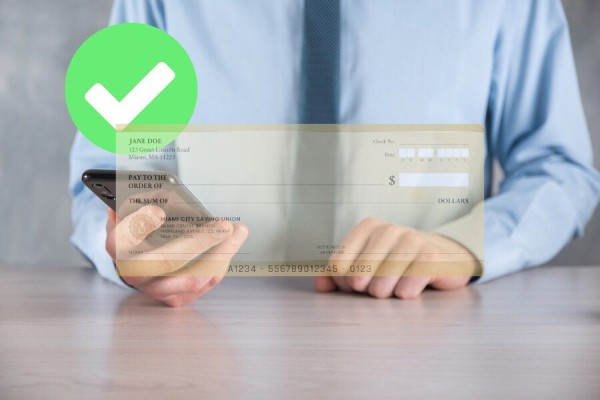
(104, 191)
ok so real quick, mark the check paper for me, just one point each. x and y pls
(300, 189)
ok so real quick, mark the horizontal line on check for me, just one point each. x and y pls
(195, 253)
(437, 252)
(280, 184)
(432, 144)
(303, 202)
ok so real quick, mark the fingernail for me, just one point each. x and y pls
(239, 234)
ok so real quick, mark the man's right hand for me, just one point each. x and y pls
(175, 289)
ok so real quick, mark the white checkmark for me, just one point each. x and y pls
(123, 112)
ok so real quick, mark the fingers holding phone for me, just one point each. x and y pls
(131, 230)
(179, 270)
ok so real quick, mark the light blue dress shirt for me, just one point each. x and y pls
(507, 64)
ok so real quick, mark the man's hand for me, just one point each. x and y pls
(403, 261)
(184, 281)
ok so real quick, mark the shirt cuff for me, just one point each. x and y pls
(90, 241)
(469, 231)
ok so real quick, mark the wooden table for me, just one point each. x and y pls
(65, 333)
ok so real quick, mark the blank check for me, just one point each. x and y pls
(301, 189)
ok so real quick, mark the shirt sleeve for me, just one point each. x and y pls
(537, 131)
(88, 213)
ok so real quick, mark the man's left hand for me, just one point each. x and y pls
(402, 262)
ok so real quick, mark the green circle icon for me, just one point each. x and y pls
(131, 88)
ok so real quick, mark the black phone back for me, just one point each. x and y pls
(103, 183)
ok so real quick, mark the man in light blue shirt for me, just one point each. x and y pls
(507, 64)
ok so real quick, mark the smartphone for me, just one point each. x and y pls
(102, 183)
(125, 191)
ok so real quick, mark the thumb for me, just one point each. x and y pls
(134, 228)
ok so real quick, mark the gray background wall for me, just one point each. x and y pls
(37, 39)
